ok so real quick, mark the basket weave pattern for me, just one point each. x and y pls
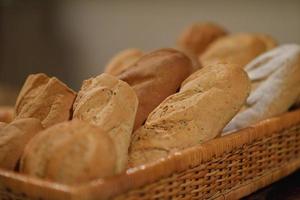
(229, 167)
(225, 172)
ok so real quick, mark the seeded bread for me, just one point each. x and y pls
(154, 77)
(206, 102)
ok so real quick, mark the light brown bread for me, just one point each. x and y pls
(237, 49)
(122, 61)
(269, 41)
(2, 124)
(275, 78)
(154, 77)
(6, 113)
(206, 102)
(110, 104)
(197, 37)
(13, 139)
(71, 152)
(46, 99)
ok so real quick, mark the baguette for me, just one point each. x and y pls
(238, 49)
(110, 104)
(197, 37)
(206, 102)
(275, 78)
(154, 77)
(123, 61)
(46, 99)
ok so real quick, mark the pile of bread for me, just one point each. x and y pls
(148, 105)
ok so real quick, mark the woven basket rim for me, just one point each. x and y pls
(176, 162)
(188, 158)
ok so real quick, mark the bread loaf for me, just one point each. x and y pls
(206, 102)
(238, 49)
(270, 43)
(197, 37)
(110, 104)
(122, 61)
(154, 77)
(71, 152)
(46, 99)
(6, 114)
(13, 139)
(275, 78)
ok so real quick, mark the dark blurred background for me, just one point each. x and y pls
(73, 40)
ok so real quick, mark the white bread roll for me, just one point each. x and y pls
(275, 78)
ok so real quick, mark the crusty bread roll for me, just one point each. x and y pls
(196, 38)
(110, 104)
(13, 139)
(154, 77)
(46, 99)
(6, 113)
(122, 61)
(206, 102)
(275, 78)
(70, 152)
(238, 49)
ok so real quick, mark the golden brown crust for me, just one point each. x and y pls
(206, 102)
(196, 38)
(269, 41)
(237, 49)
(71, 152)
(154, 77)
(13, 139)
(111, 104)
(122, 61)
(46, 99)
(6, 114)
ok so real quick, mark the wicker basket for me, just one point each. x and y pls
(229, 167)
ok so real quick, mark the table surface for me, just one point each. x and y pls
(285, 189)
